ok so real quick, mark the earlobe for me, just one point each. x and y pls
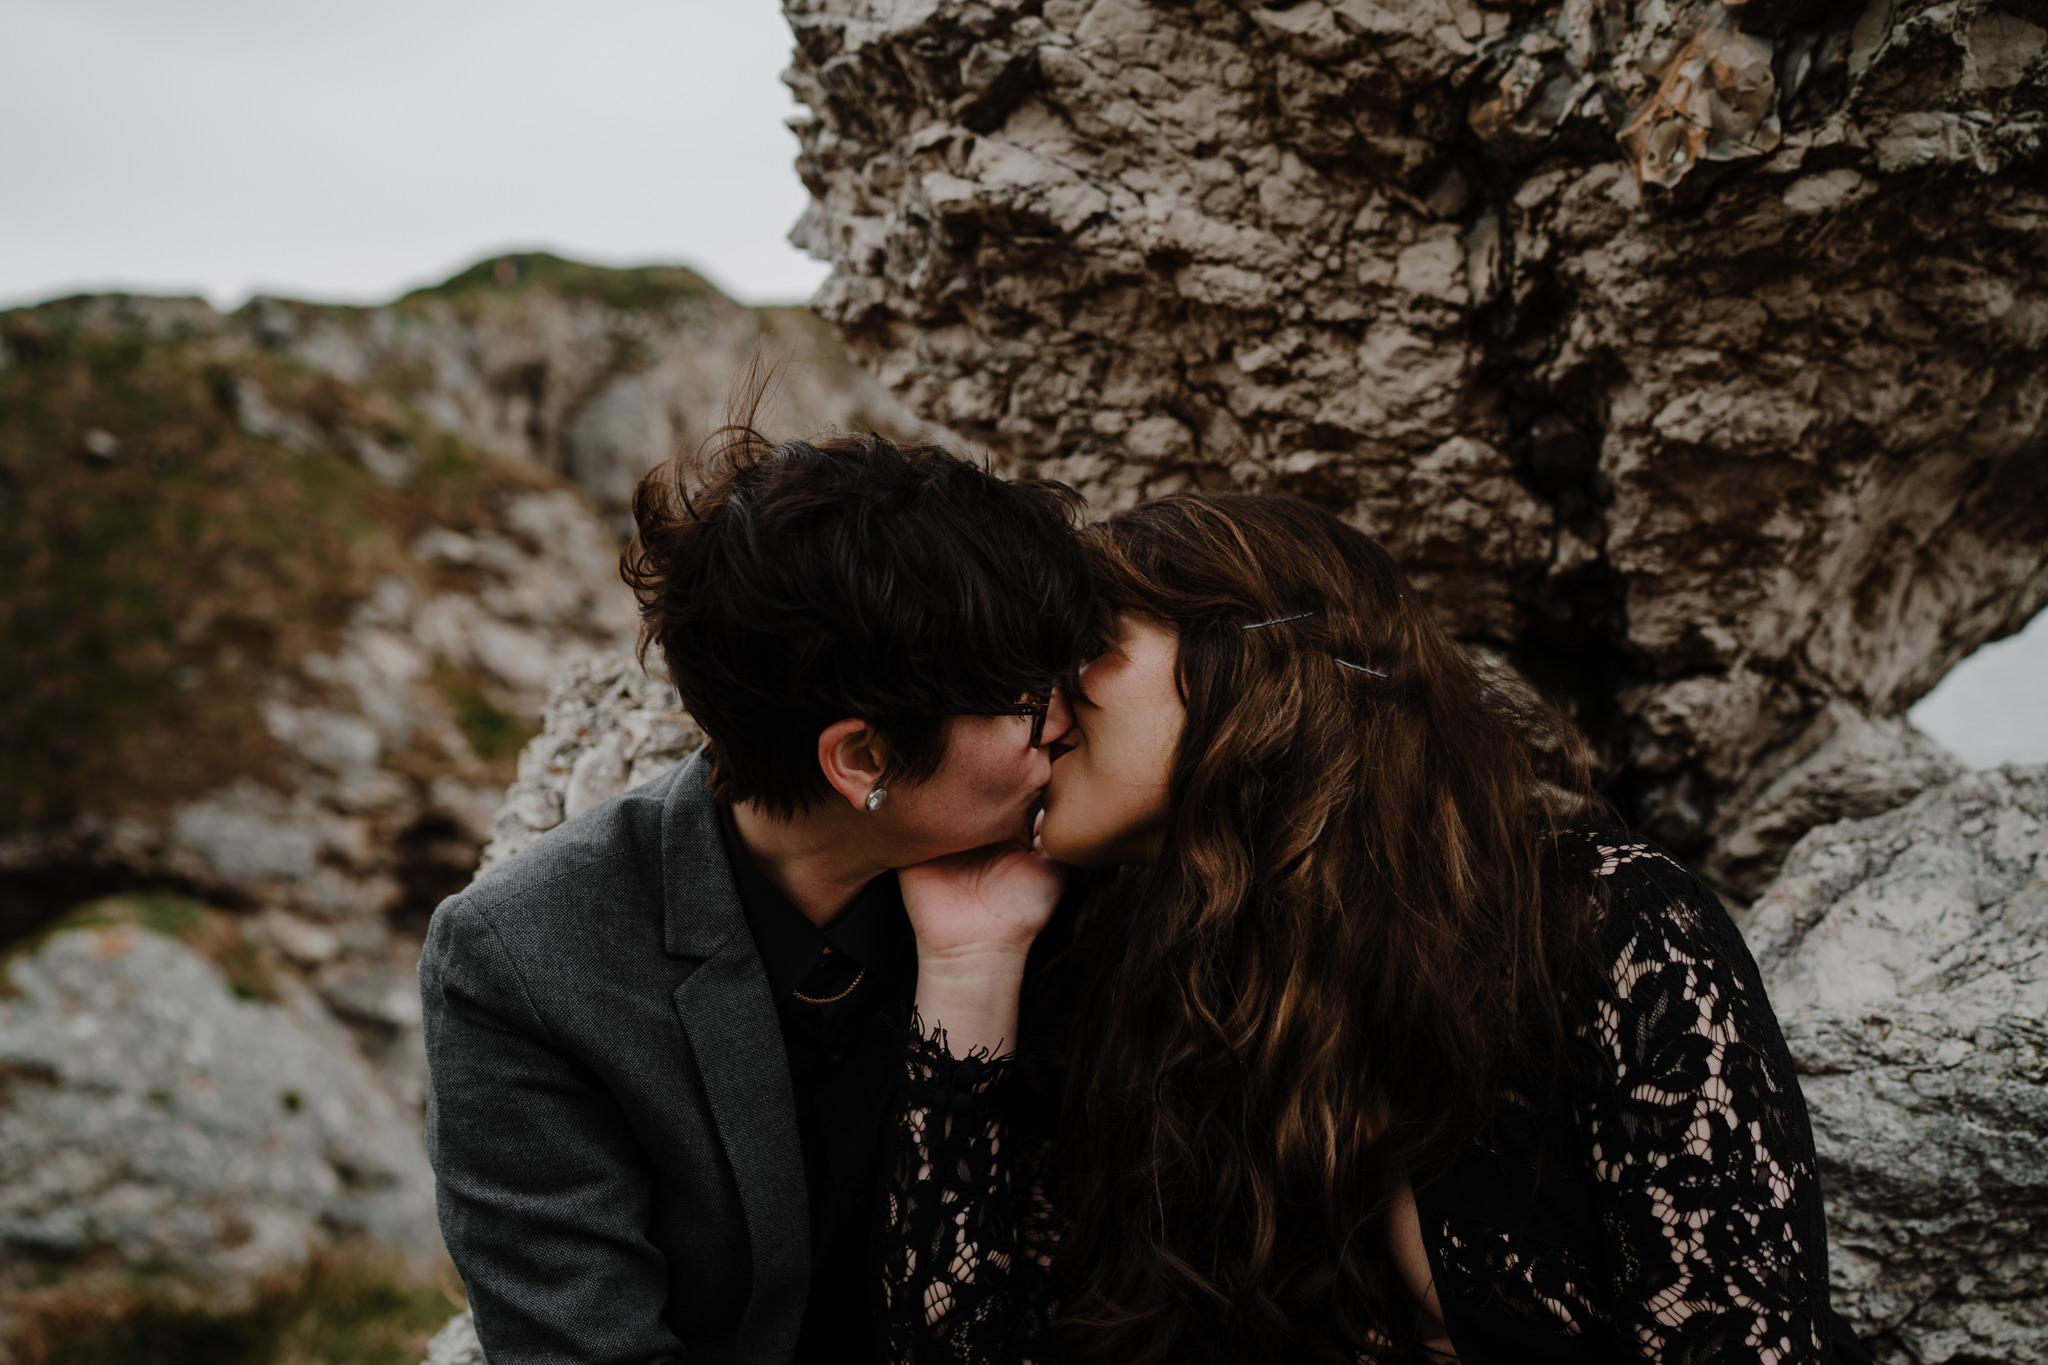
(852, 755)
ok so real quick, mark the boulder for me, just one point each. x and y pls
(149, 1114)
(1904, 954)
(1691, 353)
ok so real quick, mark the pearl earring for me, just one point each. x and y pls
(877, 797)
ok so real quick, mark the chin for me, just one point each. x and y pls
(1073, 854)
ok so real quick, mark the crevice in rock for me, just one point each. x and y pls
(33, 899)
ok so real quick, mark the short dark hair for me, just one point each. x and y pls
(791, 586)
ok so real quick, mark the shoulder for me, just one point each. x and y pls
(627, 826)
(1609, 851)
(596, 876)
(1664, 929)
(1638, 878)
(1654, 908)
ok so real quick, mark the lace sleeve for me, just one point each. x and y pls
(1702, 1157)
(965, 1234)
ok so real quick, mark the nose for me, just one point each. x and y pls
(1059, 717)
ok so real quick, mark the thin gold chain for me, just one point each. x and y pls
(832, 1000)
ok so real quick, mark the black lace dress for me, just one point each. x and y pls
(1660, 1204)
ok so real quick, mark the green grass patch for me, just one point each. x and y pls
(150, 549)
(162, 563)
(347, 1307)
(645, 288)
(493, 732)
(250, 968)
(160, 912)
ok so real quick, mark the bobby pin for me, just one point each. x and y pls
(1278, 621)
(1358, 668)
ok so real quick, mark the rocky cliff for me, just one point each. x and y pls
(593, 374)
(286, 589)
(1903, 954)
(160, 1112)
(1692, 353)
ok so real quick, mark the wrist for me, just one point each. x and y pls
(973, 963)
(971, 992)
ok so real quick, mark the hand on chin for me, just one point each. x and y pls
(993, 899)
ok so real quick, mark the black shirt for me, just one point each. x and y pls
(844, 1062)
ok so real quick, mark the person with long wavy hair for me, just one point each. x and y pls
(1393, 1045)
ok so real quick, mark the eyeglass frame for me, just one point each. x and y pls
(1034, 706)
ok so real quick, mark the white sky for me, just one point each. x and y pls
(1992, 708)
(350, 152)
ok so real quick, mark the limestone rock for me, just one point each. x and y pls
(147, 1111)
(1903, 954)
(595, 375)
(609, 726)
(456, 1344)
(408, 521)
(1692, 354)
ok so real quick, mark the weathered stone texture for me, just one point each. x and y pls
(1693, 354)
(456, 1343)
(609, 726)
(592, 388)
(147, 1112)
(1904, 956)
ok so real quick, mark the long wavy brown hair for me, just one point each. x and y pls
(1356, 931)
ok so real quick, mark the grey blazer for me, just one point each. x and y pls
(609, 1113)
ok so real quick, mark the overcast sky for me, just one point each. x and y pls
(351, 152)
(1993, 707)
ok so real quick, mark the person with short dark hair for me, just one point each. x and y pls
(663, 1039)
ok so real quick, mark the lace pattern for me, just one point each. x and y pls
(967, 1233)
(1697, 1137)
(1689, 1131)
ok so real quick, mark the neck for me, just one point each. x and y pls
(820, 858)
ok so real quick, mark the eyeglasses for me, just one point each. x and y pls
(1033, 706)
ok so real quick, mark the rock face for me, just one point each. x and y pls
(1691, 353)
(1904, 956)
(593, 374)
(147, 1112)
(295, 683)
(384, 741)
(456, 1344)
(608, 727)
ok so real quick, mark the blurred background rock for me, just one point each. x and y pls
(286, 588)
(1727, 429)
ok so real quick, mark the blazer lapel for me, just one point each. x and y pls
(736, 1038)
